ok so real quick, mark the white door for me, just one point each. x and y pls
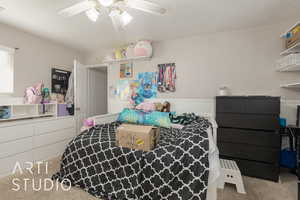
(80, 92)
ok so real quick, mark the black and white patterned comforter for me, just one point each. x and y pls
(177, 169)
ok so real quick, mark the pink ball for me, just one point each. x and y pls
(88, 122)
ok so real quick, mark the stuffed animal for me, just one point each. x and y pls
(146, 106)
(33, 95)
(165, 107)
(158, 106)
(143, 48)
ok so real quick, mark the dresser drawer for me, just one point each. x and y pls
(53, 137)
(231, 104)
(248, 121)
(252, 137)
(257, 169)
(15, 132)
(249, 152)
(54, 125)
(50, 151)
(15, 147)
(268, 105)
(250, 104)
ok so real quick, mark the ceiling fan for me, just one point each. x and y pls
(116, 10)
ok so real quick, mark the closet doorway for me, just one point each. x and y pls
(97, 91)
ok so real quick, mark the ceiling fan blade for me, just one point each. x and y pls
(145, 6)
(1, 8)
(77, 8)
(116, 20)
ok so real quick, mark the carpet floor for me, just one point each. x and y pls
(256, 189)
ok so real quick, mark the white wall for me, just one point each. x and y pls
(35, 58)
(243, 60)
(97, 98)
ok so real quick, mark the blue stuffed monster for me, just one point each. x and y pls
(148, 86)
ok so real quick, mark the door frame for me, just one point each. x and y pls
(107, 87)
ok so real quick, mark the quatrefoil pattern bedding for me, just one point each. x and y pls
(177, 169)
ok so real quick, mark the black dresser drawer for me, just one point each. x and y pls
(248, 105)
(249, 152)
(248, 121)
(257, 169)
(248, 133)
(268, 105)
(252, 137)
(231, 105)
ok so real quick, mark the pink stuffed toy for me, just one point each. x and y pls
(146, 106)
(143, 48)
(33, 95)
(88, 122)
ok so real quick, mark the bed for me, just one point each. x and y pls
(185, 165)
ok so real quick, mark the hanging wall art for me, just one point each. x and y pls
(126, 70)
(123, 89)
(148, 84)
(166, 77)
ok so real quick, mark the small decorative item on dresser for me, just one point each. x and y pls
(62, 110)
(223, 91)
(5, 112)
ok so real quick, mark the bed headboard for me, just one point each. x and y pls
(203, 107)
(103, 119)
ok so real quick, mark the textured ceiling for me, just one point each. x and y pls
(184, 18)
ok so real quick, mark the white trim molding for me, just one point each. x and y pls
(205, 106)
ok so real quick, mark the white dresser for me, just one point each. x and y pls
(33, 140)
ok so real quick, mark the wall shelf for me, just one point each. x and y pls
(293, 49)
(289, 68)
(142, 58)
(291, 85)
(27, 111)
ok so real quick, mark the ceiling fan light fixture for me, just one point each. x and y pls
(92, 14)
(106, 3)
(126, 18)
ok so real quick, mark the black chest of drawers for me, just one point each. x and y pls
(249, 133)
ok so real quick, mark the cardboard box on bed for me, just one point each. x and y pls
(137, 136)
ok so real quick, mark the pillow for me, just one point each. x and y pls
(154, 118)
(146, 106)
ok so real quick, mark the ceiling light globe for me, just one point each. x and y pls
(92, 14)
(106, 3)
(126, 18)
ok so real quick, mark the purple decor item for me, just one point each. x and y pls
(88, 123)
(62, 110)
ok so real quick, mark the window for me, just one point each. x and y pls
(6, 70)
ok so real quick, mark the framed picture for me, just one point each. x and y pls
(126, 70)
(59, 81)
